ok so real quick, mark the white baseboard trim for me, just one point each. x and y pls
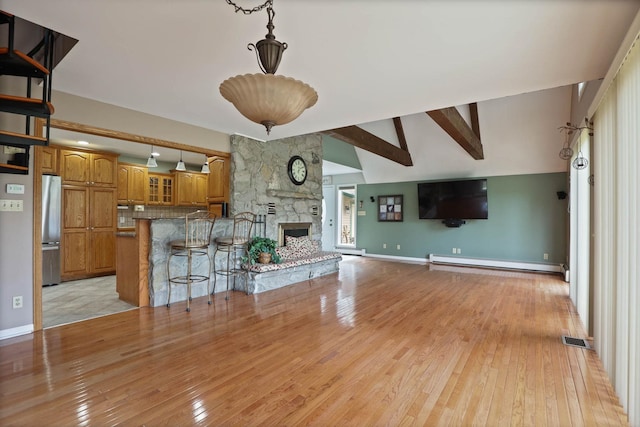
(348, 251)
(14, 332)
(494, 263)
(398, 258)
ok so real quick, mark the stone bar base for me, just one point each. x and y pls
(269, 280)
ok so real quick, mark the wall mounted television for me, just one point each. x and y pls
(463, 199)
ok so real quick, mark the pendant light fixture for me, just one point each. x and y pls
(267, 99)
(180, 165)
(205, 166)
(151, 161)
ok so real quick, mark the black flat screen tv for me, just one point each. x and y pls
(465, 199)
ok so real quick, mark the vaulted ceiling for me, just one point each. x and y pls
(370, 62)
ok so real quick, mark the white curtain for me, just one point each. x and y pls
(617, 233)
(580, 231)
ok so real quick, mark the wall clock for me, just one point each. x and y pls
(297, 170)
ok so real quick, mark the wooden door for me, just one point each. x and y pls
(75, 231)
(103, 219)
(75, 167)
(218, 190)
(200, 182)
(104, 170)
(167, 190)
(49, 160)
(123, 184)
(185, 189)
(137, 184)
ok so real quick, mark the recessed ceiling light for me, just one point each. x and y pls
(83, 143)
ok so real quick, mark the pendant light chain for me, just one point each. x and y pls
(268, 3)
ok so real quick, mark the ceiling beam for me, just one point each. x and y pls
(450, 120)
(360, 138)
(400, 132)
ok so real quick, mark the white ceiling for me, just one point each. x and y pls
(368, 60)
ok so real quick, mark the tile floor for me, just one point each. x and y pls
(80, 300)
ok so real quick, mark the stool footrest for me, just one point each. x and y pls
(183, 280)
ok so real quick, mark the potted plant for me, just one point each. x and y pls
(262, 250)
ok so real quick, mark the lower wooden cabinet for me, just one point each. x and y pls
(88, 231)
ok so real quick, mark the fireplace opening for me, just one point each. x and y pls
(294, 229)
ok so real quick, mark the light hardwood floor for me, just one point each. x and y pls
(382, 343)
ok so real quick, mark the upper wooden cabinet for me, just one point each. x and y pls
(49, 160)
(84, 168)
(132, 184)
(160, 189)
(218, 188)
(191, 188)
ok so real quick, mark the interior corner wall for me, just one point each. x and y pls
(16, 257)
(526, 220)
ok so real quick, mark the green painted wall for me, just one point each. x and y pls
(526, 220)
(339, 152)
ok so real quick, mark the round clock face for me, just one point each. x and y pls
(297, 169)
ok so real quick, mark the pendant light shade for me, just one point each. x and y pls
(151, 161)
(268, 99)
(205, 166)
(180, 166)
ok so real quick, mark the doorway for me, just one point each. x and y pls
(328, 217)
(347, 216)
(131, 140)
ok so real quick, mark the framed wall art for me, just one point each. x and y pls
(390, 208)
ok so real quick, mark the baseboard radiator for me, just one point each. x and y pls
(494, 263)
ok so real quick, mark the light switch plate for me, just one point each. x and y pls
(9, 205)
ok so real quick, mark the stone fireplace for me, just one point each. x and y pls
(259, 183)
(295, 229)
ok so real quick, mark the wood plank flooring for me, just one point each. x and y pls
(380, 343)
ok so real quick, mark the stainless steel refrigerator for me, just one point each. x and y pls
(51, 223)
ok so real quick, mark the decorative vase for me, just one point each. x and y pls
(264, 258)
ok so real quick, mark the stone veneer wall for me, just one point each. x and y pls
(259, 177)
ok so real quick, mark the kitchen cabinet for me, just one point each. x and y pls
(191, 189)
(85, 168)
(160, 189)
(88, 231)
(132, 182)
(218, 186)
(49, 160)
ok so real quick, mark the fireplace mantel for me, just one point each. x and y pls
(292, 194)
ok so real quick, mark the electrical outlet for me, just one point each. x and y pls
(454, 251)
(17, 302)
(545, 256)
(459, 250)
(398, 247)
(384, 246)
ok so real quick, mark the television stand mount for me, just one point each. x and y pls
(453, 223)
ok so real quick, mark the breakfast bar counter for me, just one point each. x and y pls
(141, 277)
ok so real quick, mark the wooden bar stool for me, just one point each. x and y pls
(198, 226)
(235, 247)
